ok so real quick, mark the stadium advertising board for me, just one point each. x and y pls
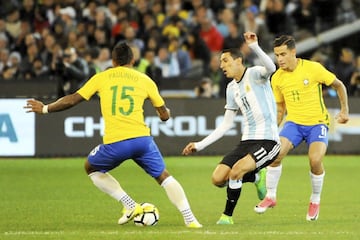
(17, 129)
(76, 131)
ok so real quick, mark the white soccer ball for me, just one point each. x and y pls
(149, 217)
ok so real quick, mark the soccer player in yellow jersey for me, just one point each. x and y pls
(297, 87)
(122, 91)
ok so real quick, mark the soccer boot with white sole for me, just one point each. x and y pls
(313, 212)
(225, 220)
(194, 224)
(265, 204)
(261, 184)
(130, 214)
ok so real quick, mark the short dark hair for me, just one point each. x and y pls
(234, 52)
(287, 40)
(122, 54)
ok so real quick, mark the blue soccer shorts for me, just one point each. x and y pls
(143, 150)
(297, 133)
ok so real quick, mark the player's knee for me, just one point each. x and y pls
(88, 168)
(218, 181)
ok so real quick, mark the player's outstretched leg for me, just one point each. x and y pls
(317, 182)
(109, 185)
(272, 179)
(177, 196)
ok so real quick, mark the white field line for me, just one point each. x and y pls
(152, 232)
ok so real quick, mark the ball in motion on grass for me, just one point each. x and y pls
(149, 217)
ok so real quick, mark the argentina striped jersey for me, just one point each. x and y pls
(253, 96)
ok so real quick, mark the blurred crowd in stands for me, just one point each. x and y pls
(68, 41)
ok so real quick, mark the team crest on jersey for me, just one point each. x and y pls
(306, 82)
(247, 88)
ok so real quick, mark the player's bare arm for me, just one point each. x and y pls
(61, 104)
(281, 109)
(343, 115)
(163, 113)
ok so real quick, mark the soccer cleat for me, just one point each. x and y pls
(194, 224)
(225, 220)
(130, 214)
(313, 212)
(264, 205)
(261, 184)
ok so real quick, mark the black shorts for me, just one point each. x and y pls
(264, 152)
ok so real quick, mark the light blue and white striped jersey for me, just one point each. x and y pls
(253, 96)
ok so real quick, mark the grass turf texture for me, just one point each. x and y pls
(54, 199)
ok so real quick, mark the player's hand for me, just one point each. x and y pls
(190, 148)
(342, 117)
(34, 106)
(250, 37)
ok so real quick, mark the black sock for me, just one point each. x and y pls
(249, 177)
(233, 196)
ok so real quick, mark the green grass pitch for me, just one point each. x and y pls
(54, 199)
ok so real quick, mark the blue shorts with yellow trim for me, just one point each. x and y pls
(143, 150)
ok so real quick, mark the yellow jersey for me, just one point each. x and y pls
(122, 92)
(301, 90)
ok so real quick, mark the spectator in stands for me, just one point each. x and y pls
(101, 38)
(277, 21)
(72, 70)
(4, 40)
(345, 68)
(14, 63)
(253, 21)
(234, 39)
(72, 39)
(355, 79)
(183, 57)
(103, 22)
(193, 15)
(225, 17)
(153, 71)
(208, 32)
(41, 20)
(25, 37)
(13, 23)
(140, 63)
(326, 13)
(158, 12)
(167, 62)
(68, 17)
(39, 71)
(198, 50)
(89, 12)
(8, 74)
(305, 15)
(204, 89)
(14, 59)
(32, 52)
(27, 11)
(4, 58)
(104, 59)
(131, 39)
(81, 45)
(60, 33)
(91, 54)
(217, 77)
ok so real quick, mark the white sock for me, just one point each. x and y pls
(317, 182)
(273, 175)
(109, 185)
(177, 196)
